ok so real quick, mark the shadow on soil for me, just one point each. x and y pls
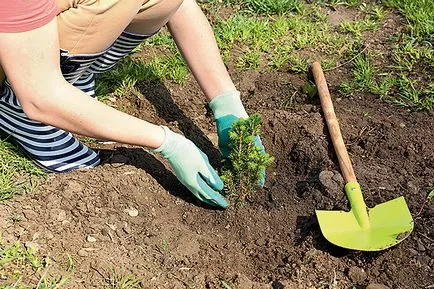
(159, 96)
(143, 160)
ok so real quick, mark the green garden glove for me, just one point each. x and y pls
(192, 168)
(228, 108)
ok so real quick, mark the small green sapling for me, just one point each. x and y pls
(247, 162)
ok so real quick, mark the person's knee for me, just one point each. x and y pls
(153, 15)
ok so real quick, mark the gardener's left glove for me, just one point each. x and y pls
(192, 168)
(228, 108)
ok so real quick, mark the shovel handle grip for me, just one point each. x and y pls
(332, 124)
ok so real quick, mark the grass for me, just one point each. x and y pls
(357, 27)
(268, 6)
(18, 175)
(364, 72)
(373, 16)
(119, 280)
(419, 16)
(409, 52)
(19, 265)
(22, 268)
(396, 87)
(277, 42)
(335, 3)
(129, 72)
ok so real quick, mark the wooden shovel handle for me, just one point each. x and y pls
(332, 124)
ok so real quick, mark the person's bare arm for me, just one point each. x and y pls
(195, 39)
(31, 62)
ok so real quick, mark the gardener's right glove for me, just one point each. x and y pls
(228, 108)
(192, 168)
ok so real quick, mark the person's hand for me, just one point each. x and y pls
(192, 168)
(228, 108)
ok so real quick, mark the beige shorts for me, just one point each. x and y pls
(91, 26)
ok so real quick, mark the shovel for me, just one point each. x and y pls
(362, 228)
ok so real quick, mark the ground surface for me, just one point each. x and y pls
(174, 242)
(273, 241)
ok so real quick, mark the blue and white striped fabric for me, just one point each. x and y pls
(125, 43)
(86, 83)
(49, 147)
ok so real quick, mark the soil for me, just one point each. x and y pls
(274, 241)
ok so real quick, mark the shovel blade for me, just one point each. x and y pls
(389, 224)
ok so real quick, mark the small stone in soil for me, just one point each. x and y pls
(412, 251)
(29, 214)
(91, 239)
(331, 187)
(132, 212)
(337, 177)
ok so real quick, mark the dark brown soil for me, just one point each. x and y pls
(175, 242)
(274, 241)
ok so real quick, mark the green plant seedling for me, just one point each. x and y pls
(164, 245)
(247, 162)
(226, 285)
(118, 280)
(309, 89)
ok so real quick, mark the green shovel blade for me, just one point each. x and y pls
(386, 225)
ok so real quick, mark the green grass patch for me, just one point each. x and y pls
(407, 78)
(373, 16)
(280, 42)
(118, 280)
(419, 15)
(22, 268)
(396, 87)
(409, 53)
(249, 60)
(18, 175)
(364, 72)
(412, 95)
(335, 3)
(357, 27)
(269, 6)
(122, 80)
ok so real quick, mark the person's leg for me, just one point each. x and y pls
(91, 26)
(50, 148)
(87, 28)
(153, 15)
